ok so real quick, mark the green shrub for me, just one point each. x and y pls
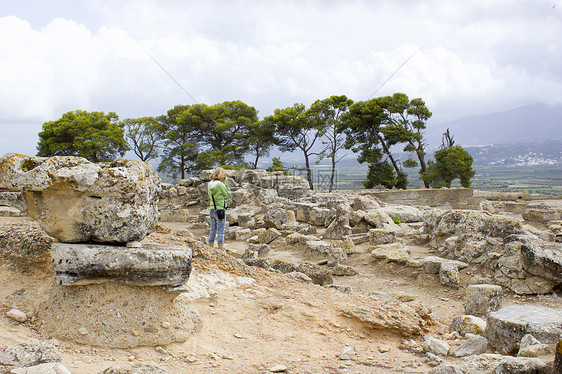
(396, 220)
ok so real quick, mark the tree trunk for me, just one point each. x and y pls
(308, 171)
(182, 166)
(387, 152)
(333, 173)
(423, 167)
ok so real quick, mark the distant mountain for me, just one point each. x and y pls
(547, 152)
(529, 123)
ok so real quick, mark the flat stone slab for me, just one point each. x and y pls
(154, 265)
(507, 326)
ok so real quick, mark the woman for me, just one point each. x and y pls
(218, 192)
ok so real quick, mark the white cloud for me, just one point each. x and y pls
(471, 57)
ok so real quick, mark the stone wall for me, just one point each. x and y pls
(446, 198)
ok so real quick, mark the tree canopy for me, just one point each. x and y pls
(296, 128)
(189, 138)
(329, 112)
(373, 127)
(143, 134)
(95, 136)
(450, 163)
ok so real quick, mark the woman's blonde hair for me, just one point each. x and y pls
(218, 174)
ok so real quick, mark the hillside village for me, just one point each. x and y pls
(105, 269)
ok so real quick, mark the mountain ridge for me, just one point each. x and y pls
(524, 124)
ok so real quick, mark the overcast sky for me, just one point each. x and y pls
(467, 57)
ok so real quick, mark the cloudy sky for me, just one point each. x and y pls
(467, 57)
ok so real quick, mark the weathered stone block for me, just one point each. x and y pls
(381, 236)
(474, 345)
(481, 299)
(498, 364)
(543, 259)
(396, 252)
(433, 345)
(465, 324)
(318, 274)
(507, 326)
(378, 218)
(24, 355)
(24, 245)
(268, 236)
(432, 264)
(404, 212)
(75, 200)
(449, 274)
(80, 264)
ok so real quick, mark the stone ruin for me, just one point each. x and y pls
(463, 231)
(110, 289)
(100, 212)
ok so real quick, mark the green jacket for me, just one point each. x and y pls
(220, 191)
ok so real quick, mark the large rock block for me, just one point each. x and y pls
(404, 212)
(24, 245)
(118, 316)
(155, 265)
(506, 327)
(543, 259)
(488, 363)
(339, 227)
(25, 355)
(482, 299)
(75, 200)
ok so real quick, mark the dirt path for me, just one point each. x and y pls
(250, 326)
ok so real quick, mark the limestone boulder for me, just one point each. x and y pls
(267, 236)
(481, 299)
(378, 218)
(543, 259)
(26, 355)
(449, 274)
(256, 251)
(488, 363)
(334, 253)
(395, 252)
(467, 324)
(48, 368)
(436, 346)
(404, 212)
(24, 245)
(153, 265)
(339, 227)
(318, 274)
(382, 236)
(507, 326)
(473, 345)
(382, 313)
(531, 347)
(298, 238)
(75, 200)
(276, 217)
(432, 264)
(365, 203)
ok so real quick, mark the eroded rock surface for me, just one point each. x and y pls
(75, 200)
(154, 265)
(506, 327)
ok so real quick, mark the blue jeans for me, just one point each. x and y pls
(217, 227)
